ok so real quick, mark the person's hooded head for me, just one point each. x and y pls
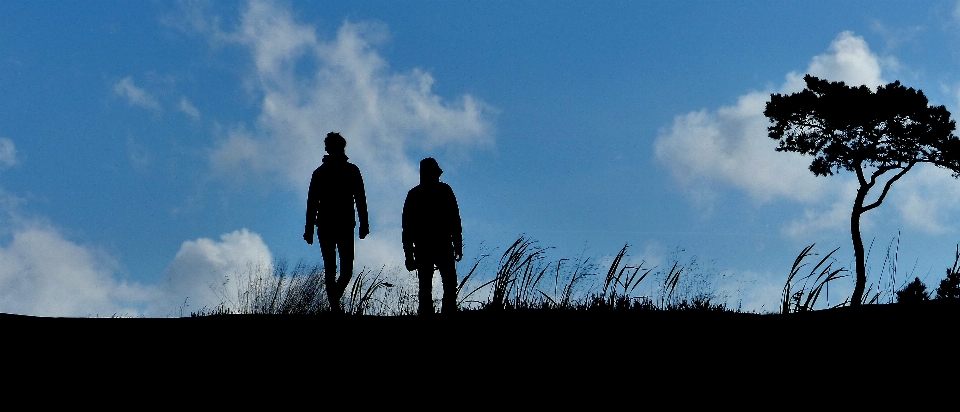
(429, 170)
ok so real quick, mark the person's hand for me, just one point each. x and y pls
(308, 236)
(458, 254)
(410, 263)
(364, 231)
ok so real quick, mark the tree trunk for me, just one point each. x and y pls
(858, 248)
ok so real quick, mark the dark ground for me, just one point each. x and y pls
(520, 328)
(525, 345)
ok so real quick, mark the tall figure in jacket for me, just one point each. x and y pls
(335, 187)
(433, 236)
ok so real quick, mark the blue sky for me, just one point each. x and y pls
(151, 150)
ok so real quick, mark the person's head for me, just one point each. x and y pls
(430, 171)
(334, 143)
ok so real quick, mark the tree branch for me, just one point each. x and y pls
(886, 187)
(880, 170)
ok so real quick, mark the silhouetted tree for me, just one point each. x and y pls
(914, 292)
(874, 134)
(950, 287)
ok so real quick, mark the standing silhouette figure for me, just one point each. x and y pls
(335, 187)
(433, 236)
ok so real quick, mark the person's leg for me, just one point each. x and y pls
(345, 249)
(448, 275)
(425, 275)
(328, 250)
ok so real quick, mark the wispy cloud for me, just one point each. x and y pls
(134, 95)
(387, 116)
(382, 113)
(188, 108)
(8, 153)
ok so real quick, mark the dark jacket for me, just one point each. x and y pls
(431, 219)
(334, 189)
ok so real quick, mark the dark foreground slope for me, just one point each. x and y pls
(485, 329)
(495, 359)
(527, 344)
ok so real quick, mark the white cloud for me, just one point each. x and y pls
(761, 292)
(188, 108)
(44, 274)
(755, 292)
(821, 217)
(238, 154)
(384, 114)
(730, 145)
(206, 273)
(927, 197)
(379, 249)
(849, 60)
(353, 91)
(8, 153)
(135, 95)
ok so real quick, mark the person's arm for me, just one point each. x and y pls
(360, 197)
(406, 233)
(456, 226)
(311, 218)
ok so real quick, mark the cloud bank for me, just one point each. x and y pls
(206, 272)
(42, 273)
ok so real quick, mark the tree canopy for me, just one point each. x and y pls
(865, 132)
(848, 128)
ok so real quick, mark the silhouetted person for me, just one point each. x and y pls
(334, 189)
(432, 236)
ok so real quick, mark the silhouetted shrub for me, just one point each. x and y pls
(950, 287)
(914, 292)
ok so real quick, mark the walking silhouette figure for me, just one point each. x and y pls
(433, 236)
(335, 187)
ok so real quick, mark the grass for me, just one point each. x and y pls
(302, 291)
(801, 294)
(523, 279)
